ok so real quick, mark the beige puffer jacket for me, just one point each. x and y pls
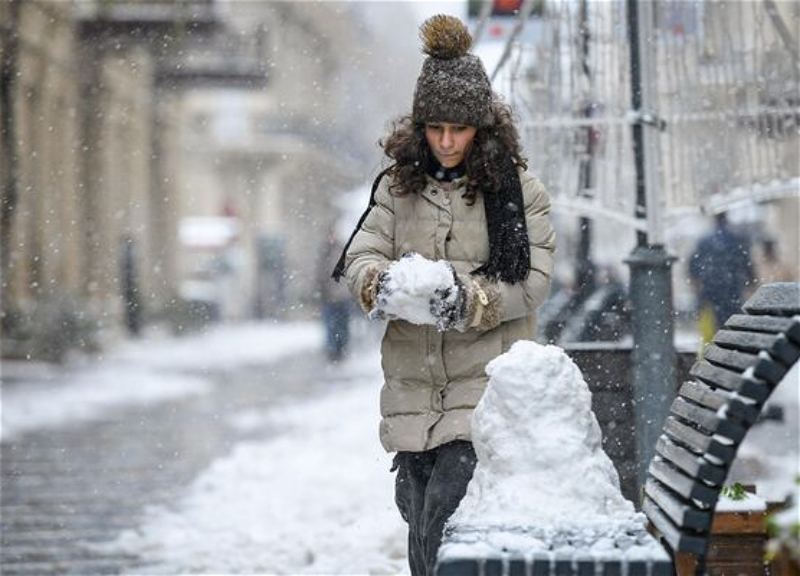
(433, 380)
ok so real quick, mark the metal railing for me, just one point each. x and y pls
(725, 93)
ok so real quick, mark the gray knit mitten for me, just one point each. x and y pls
(477, 305)
(449, 304)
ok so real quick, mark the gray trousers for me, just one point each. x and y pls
(428, 489)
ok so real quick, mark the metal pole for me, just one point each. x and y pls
(9, 161)
(653, 358)
(483, 17)
(585, 273)
(524, 15)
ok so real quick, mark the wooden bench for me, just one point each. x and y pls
(711, 415)
(708, 421)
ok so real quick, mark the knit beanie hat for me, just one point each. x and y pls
(453, 85)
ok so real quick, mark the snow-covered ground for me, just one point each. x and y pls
(317, 498)
(140, 372)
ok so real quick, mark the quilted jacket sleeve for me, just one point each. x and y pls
(523, 298)
(372, 248)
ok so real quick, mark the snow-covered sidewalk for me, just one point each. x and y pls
(306, 487)
(316, 499)
(37, 396)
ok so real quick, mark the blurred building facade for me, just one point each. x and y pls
(86, 240)
(40, 179)
(180, 161)
(275, 149)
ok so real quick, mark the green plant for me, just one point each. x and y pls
(735, 491)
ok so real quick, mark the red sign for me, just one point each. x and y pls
(506, 7)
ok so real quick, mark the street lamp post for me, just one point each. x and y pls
(653, 359)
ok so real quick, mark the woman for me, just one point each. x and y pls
(457, 192)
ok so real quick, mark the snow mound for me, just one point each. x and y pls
(540, 460)
(412, 282)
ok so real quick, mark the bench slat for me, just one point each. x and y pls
(704, 395)
(767, 324)
(786, 351)
(793, 331)
(459, 567)
(707, 420)
(696, 441)
(679, 482)
(678, 541)
(695, 415)
(740, 361)
(681, 512)
(732, 381)
(777, 345)
(769, 370)
(778, 299)
(691, 463)
(747, 413)
(751, 342)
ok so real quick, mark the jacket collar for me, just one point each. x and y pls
(442, 174)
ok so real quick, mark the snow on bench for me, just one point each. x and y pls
(544, 552)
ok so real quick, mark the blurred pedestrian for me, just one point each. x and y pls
(459, 202)
(335, 300)
(722, 272)
(131, 298)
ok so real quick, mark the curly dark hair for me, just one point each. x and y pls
(407, 146)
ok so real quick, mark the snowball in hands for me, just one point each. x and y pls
(411, 283)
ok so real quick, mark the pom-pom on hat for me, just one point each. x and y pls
(453, 85)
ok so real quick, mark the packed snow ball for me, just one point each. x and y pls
(411, 283)
(539, 451)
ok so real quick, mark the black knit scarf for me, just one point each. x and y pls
(509, 252)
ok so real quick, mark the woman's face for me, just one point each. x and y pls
(449, 142)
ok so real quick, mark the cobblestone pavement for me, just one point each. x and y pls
(66, 488)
